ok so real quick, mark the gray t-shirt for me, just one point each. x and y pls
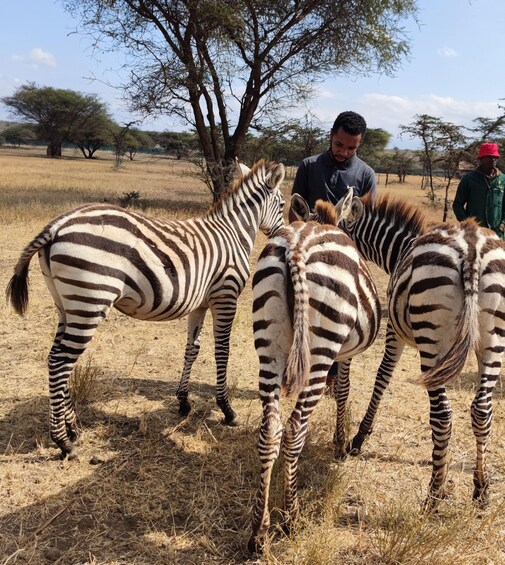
(321, 177)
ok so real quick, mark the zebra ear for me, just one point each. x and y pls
(300, 208)
(342, 207)
(349, 208)
(242, 169)
(275, 177)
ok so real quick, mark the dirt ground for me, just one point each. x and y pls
(150, 488)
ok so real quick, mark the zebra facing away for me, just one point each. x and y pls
(314, 301)
(446, 296)
(99, 256)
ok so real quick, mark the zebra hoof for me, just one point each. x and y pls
(255, 545)
(480, 497)
(353, 451)
(73, 434)
(340, 455)
(230, 420)
(184, 408)
(69, 455)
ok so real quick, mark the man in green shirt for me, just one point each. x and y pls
(480, 193)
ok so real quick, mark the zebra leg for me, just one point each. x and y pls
(72, 338)
(341, 394)
(482, 417)
(70, 415)
(393, 352)
(441, 427)
(195, 324)
(293, 441)
(269, 442)
(223, 312)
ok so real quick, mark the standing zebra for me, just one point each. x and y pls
(99, 256)
(314, 301)
(446, 296)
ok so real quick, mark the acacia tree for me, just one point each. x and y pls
(18, 134)
(225, 66)
(57, 114)
(444, 145)
(373, 146)
(94, 135)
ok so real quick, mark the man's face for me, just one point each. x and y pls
(487, 164)
(344, 145)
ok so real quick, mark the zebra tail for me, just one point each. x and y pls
(17, 289)
(467, 332)
(296, 375)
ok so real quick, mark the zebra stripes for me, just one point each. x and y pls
(446, 296)
(314, 301)
(99, 256)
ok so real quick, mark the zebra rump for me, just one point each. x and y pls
(314, 302)
(446, 297)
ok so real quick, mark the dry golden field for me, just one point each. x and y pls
(150, 488)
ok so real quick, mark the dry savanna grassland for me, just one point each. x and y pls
(152, 488)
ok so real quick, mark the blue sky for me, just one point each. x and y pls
(456, 69)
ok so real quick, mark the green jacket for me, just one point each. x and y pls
(481, 196)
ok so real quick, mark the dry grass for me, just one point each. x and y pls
(149, 488)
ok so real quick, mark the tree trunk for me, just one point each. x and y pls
(53, 150)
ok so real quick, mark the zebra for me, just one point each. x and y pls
(314, 301)
(446, 296)
(98, 256)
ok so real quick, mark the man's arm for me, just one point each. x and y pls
(460, 200)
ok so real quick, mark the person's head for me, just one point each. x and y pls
(346, 135)
(487, 156)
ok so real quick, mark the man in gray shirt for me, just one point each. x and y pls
(328, 176)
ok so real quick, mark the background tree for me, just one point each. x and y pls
(136, 139)
(179, 144)
(58, 114)
(95, 134)
(19, 134)
(489, 129)
(372, 148)
(444, 146)
(223, 66)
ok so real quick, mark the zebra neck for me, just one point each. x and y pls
(239, 219)
(385, 248)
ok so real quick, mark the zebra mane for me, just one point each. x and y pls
(397, 212)
(325, 212)
(224, 196)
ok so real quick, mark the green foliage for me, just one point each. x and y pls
(373, 146)
(134, 140)
(444, 145)
(179, 144)
(95, 134)
(58, 114)
(19, 134)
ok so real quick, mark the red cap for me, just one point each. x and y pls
(488, 150)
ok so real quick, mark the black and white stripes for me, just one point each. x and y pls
(97, 256)
(446, 297)
(314, 301)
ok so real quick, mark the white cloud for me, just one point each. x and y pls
(39, 56)
(447, 52)
(35, 58)
(389, 112)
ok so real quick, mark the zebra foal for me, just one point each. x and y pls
(314, 301)
(446, 297)
(99, 256)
